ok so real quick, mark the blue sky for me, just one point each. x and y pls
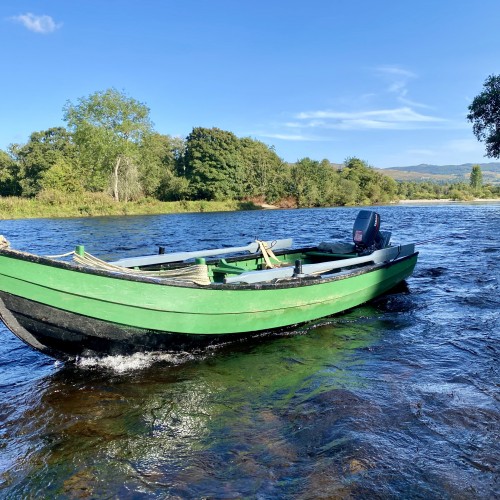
(387, 81)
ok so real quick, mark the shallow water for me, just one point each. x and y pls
(395, 399)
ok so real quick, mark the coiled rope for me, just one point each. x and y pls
(196, 273)
(4, 242)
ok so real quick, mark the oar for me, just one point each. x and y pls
(149, 260)
(378, 256)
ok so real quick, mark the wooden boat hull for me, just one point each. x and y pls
(68, 311)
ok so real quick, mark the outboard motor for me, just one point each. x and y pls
(366, 236)
(366, 231)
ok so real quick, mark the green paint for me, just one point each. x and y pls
(216, 309)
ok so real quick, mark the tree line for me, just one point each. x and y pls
(110, 146)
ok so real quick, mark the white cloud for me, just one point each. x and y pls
(392, 119)
(38, 24)
(391, 109)
(396, 71)
(409, 102)
(397, 80)
(290, 137)
(398, 87)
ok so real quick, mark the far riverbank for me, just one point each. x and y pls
(448, 200)
(98, 204)
(53, 205)
(265, 206)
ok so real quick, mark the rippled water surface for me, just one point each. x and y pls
(395, 399)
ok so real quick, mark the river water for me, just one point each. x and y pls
(395, 399)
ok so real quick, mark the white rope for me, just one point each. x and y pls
(197, 273)
(4, 242)
(59, 256)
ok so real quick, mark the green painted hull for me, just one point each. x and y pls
(72, 310)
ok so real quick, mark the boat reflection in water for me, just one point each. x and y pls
(175, 425)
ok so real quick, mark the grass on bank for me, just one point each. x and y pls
(50, 204)
(54, 204)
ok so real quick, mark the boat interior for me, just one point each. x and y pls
(366, 239)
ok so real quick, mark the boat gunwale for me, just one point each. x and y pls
(161, 281)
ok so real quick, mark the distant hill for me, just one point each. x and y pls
(444, 173)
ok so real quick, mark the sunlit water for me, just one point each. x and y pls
(395, 399)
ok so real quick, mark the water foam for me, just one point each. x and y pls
(134, 362)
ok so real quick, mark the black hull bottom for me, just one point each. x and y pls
(65, 335)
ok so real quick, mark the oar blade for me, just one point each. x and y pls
(149, 260)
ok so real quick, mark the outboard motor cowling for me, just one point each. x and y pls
(365, 230)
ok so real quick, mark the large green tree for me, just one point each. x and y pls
(109, 127)
(262, 169)
(362, 179)
(362, 184)
(42, 152)
(161, 167)
(213, 164)
(484, 113)
(159, 163)
(9, 175)
(313, 183)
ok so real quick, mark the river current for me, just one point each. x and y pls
(398, 398)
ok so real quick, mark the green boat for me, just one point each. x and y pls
(185, 300)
